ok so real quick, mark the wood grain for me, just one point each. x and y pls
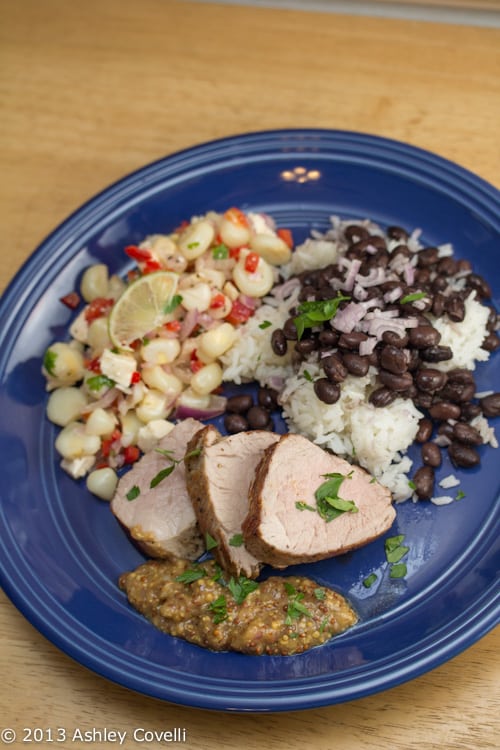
(90, 91)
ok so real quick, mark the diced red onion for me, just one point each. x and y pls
(409, 274)
(351, 275)
(366, 347)
(393, 295)
(216, 407)
(102, 403)
(188, 324)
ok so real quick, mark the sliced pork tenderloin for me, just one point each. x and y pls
(161, 519)
(219, 472)
(283, 526)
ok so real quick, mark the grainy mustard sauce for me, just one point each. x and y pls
(201, 604)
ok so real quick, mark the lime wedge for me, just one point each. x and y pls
(143, 306)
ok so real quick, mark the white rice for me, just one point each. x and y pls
(464, 338)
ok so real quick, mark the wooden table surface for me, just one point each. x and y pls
(90, 91)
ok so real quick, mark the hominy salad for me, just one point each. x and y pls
(145, 350)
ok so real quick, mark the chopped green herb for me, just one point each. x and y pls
(323, 625)
(220, 252)
(290, 590)
(219, 608)
(392, 542)
(395, 555)
(315, 312)
(398, 571)
(192, 245)
(369, 580)
(460, 495)
(191, 575)
(319, 594)
(412, 485)
(240, 588)
(265, 324)
(218, 577)
(96, 382)
(295, 609)
(210, 542)
(236, 540)
(301, 505)
(308, 376)
(49, 361)
(133, 493)
(174, 302)
(163, 474)
(329, 504)
(373, 480)
(412, 297)
(194, 453)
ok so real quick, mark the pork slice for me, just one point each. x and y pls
(161, 519)
(283, 526)
(219, 472)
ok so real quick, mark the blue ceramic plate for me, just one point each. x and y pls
(62, 551)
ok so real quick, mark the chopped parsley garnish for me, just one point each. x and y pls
(319, 594)
(163, 474)
(236, 540)
(369, 580)
(265, 324)
(133, 493)
(49, 361)
(210, 542)
(308, 376)
(219, 608)
(329, 504)
(315, 312)
(174, 302)
(240, 588)
(394, 552)
(301, 505)
(460, 495)
(190, 575)
(295, 608)
(192, 245)
(220, 252)
(412, 485)
(96, 382)
(412, 297)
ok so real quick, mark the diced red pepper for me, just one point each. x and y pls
(103, 464)
(94, 365)
(194, 363)
(286, 236)
(236, 216)
(133, 274)
(218, 301)
(97, 308)
(181, 226)
(251, 262)
(71, 300)
(130, 454)
(150, 266)
(174, 326)
(234, 252)
(138, 253)
(136, 378)
(239, 313)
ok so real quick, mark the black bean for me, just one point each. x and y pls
(396, 382)
(382, 397)
(444, 410)
(463, 265)
(423, 400)
(334, 368)
(328, 338)
(413, 359)
(389, 337)
(356, 364)
(355, 232)
(446, 429)
(290, 330)
(439, 284)
(423, 479)
(351, 340)
(424, 431)
(397, 233)
(235, 423)
(428, 256)
(268, 398)
(490, 405)
(479, 284)
(455, 308)
(258, 417)
(463, 455)
(326, 391)
(458, 392)
(447, 266)
(307, 292)
(469, 410)
(422, 276)
(279, 343)
(460, 375)
(466, 433)
(306, 346)
(239, 404)
(430, 380)
(436, 353)
(492, 322)
(424, 336)
(394, 359)
(438, 302)
(431, 455)
(491, 342)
